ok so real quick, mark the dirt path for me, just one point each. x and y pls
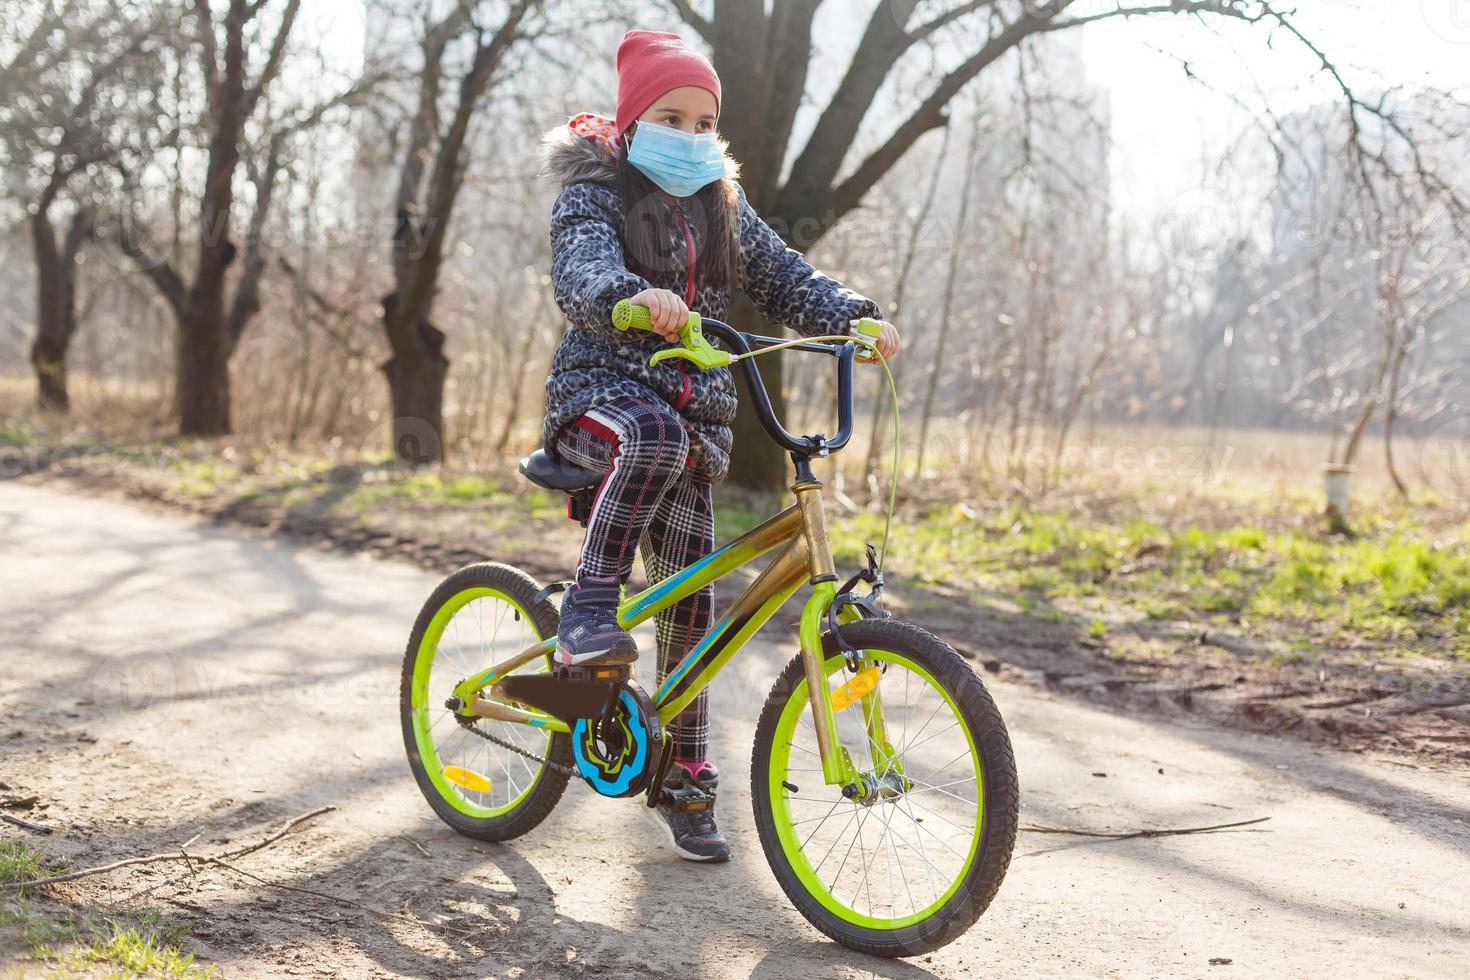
(165, 678)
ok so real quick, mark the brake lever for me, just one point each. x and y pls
(694, 347)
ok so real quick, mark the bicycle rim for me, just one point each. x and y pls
(900, 860)
(471, 631)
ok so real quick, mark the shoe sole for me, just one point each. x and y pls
(616, 658)
(686, 855)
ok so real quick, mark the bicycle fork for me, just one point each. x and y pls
(837, 765)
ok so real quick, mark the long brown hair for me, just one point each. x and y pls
(646, 236)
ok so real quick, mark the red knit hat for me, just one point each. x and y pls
(651, 63)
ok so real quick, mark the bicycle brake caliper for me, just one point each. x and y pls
(866, 606)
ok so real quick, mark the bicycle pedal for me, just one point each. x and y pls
(602, 672)
(687, 798)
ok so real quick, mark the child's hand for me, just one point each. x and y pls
(887, 341)
(667, 311)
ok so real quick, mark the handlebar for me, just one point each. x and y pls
(696, 349)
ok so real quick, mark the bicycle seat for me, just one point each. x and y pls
(556, 474)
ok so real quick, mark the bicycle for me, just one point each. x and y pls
(494, 729)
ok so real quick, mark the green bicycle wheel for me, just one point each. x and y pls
(480, 615)
(914, 860)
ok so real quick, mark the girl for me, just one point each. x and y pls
(649, 210)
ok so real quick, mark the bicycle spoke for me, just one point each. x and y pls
(941, 840)
(893, 892)
(961, 827)
(798, 823)
(951, 762)
(828, 814)
(935, 789)
(933, 853)
(806, 750)
(909, 748)
(928, 787)
(837, 840)
(924, 855)
(867, 870)
(862, 818)
(937, 708)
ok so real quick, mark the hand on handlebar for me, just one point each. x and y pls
(666, 310)
(888, 341)
(689, 338)
(882, 333)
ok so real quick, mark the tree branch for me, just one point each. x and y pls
(415, 293)
(208, 54)
(926, 30)
(273, 59)
(930, 113)
(696, 20)
(883, 43)
(157, 269)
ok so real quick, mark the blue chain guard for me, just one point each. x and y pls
(625, 772)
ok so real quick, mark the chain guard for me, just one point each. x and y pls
(618, 752)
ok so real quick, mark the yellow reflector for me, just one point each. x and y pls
(469, 780)
(856, 689)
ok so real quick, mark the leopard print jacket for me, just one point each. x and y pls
(596, 363)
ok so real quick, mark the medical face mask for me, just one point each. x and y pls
(679, 162)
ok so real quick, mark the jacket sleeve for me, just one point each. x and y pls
(588, 271)
(786, 289)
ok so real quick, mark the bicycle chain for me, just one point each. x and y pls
(470, 726)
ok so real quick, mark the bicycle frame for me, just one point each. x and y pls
(800, 532)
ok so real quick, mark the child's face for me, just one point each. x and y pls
(688, 107)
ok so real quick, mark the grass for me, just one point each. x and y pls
(19, 863)
(12, 436)
(1397, 581)
(1221, 538)
(77, 943)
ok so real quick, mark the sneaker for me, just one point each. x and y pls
(589, 626)
(686, 812)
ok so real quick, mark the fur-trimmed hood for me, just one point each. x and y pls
(569, 158)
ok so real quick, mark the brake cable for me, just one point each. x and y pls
(872, 346)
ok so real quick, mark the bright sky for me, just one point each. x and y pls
(1165, 129)
(1161, 122)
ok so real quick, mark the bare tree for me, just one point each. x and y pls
(59, 125)
(764, 52)
(210, 320)
(435, 155)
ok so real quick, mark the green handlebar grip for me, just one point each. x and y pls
(627, 315)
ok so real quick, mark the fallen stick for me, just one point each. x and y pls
(38, 828)
(285, 829)
(178, 855)
(1129, 835)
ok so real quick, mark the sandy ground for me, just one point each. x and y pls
(166, 679)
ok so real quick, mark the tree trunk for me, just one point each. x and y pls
(1390, 416)
(416, 373)
(203, 371)
(756, 462)
(53, 331)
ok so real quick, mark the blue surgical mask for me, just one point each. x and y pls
(679, 162)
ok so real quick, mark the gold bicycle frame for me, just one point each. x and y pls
(800, 531)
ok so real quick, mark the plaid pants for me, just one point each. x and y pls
(649, 498)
